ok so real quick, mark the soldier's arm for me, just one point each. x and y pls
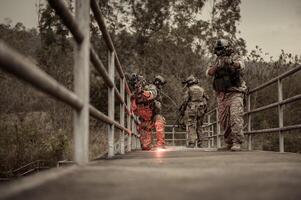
(211, 70)
(238, 63)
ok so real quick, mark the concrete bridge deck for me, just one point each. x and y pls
(179, 174)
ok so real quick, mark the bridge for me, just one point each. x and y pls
(128, 173)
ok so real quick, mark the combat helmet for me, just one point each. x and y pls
(159, 80)
(190, 80)
(222, 47)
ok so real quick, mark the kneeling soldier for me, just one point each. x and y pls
(146, 104)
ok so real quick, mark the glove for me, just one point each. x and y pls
(147, 95)
(228, 60)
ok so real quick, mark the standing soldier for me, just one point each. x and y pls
(194, 106)
(147, 104)
(230, 90)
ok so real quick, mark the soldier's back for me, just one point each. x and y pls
(196, 93)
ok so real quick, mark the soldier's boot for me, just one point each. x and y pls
(191, 144)
(236, 147)
(228, 147)
(199, 143)
(160, 131)
(146, 140)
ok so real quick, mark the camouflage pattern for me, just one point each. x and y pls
(230, 104)
(194, 112)
(148, 107)
(230, 109)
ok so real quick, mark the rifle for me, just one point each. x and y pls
(136, 83)
(180, 114)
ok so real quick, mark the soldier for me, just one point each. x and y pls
(195, 106)
(147, 104)
(230, 89)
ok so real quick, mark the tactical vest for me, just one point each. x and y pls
(196, 93)
(225, 78)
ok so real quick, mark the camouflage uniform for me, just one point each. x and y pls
(194, 112)
(230, 102)
(148, 107)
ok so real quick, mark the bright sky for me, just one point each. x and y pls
(271, 24)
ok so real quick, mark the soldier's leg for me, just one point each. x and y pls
(199, 130)
(192, 134)
(236, 118)
(160, 129)
(146, 135)
(224, 118)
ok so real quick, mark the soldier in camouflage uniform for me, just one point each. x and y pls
(195, 102)
(146, 104)
(230, 89)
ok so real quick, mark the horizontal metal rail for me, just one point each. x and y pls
(26, 169)
(67, 18)
(271, 130)
(209, 124)
(173, 133)
(102, 25)
(69, 21)
(183, 139)
(208, 128)
(176, 132)
(276, 104)
(274, 80)
(279, 104)
(14, 63)
(100, 68)
(101, 116)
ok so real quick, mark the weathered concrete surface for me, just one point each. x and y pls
(182, 174)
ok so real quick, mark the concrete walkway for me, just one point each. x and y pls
(179, 174)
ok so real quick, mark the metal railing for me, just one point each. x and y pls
(16, 64)
(172, 135)
(211, 129)
(27, 169)
(281, 102)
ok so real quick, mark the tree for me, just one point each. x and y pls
(224, 22)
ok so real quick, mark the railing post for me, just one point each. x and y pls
(186, 136)
(218, 131)
(249, 122)
(173, 135)
(133, 138)
(280, 116)
(122, 108)
(111, 103)
(137, 142)
(129, 125)
(209, 131)
(81, 84)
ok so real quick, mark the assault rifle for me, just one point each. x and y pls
(180, 114)
(136, 83)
